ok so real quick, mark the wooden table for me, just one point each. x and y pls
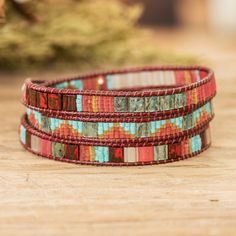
(192, 197)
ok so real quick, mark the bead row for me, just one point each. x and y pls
(65, 98)
(107, 155)
(75, 129)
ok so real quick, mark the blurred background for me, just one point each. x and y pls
(92, 34)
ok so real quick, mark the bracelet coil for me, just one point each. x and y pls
(137, 116)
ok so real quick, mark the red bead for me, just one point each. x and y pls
(171, 151)
(87, 103)
(116, 154)
(84, 154)
(145, 154)
(69, 102)
(54, 101)
(33, 97)
(28, 139)
(71, 152)
(46, 147)
(42, 100)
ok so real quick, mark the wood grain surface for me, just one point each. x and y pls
(192, 197)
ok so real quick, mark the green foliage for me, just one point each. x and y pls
(74, 33)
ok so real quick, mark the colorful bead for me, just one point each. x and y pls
(142, 129)
(46, 147)
(121, 104)
(145, 154)
(54, 101)
(90, 129)
(35, 143)
(42, 100)
(33, 97)
(79, 102)
(130, 154)
(69, 102)
(23, 134)
(72, 152)
(152, 104)
(58, 149)
(160, 152)
(102, 154)
(116, 155)
(136, 104)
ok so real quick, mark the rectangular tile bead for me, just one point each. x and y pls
(179, 100)
(42, 99)
(28, 139)
(208, 136)
(45, 124)
(179, 77)
(77, 84)
(90, 129)
(178, 149)
(185, 122)
(151, 104)
(69, 102)
(109, 82)
(108, 104)
(121, 104)
(84, 154)
(167, 102)
(79, 102)
(89, 84)
(186, 144)
(145, 154)
(95, 103)
(189, 121)
(196, 143)
(62, 85)
(33, 97)
(172, 151)
(54, 101)
(203, 139)
(92, 153)
(136, 104)
(87, 103)
(171, 101)
(46, 147)
(58, 149)
(71, 152)
(23, 134)
(100, 129)
(160, 152)
(116, 154)
(164, 103)
(35, 144)
(130, 154)
(142, 129)
(131, 128)
(102, 154)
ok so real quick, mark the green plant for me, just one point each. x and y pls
(85, 34)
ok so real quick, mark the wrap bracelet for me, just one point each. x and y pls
(137, 116)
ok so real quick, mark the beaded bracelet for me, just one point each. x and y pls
(67, 151)
(142, 91)
(138, 116)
